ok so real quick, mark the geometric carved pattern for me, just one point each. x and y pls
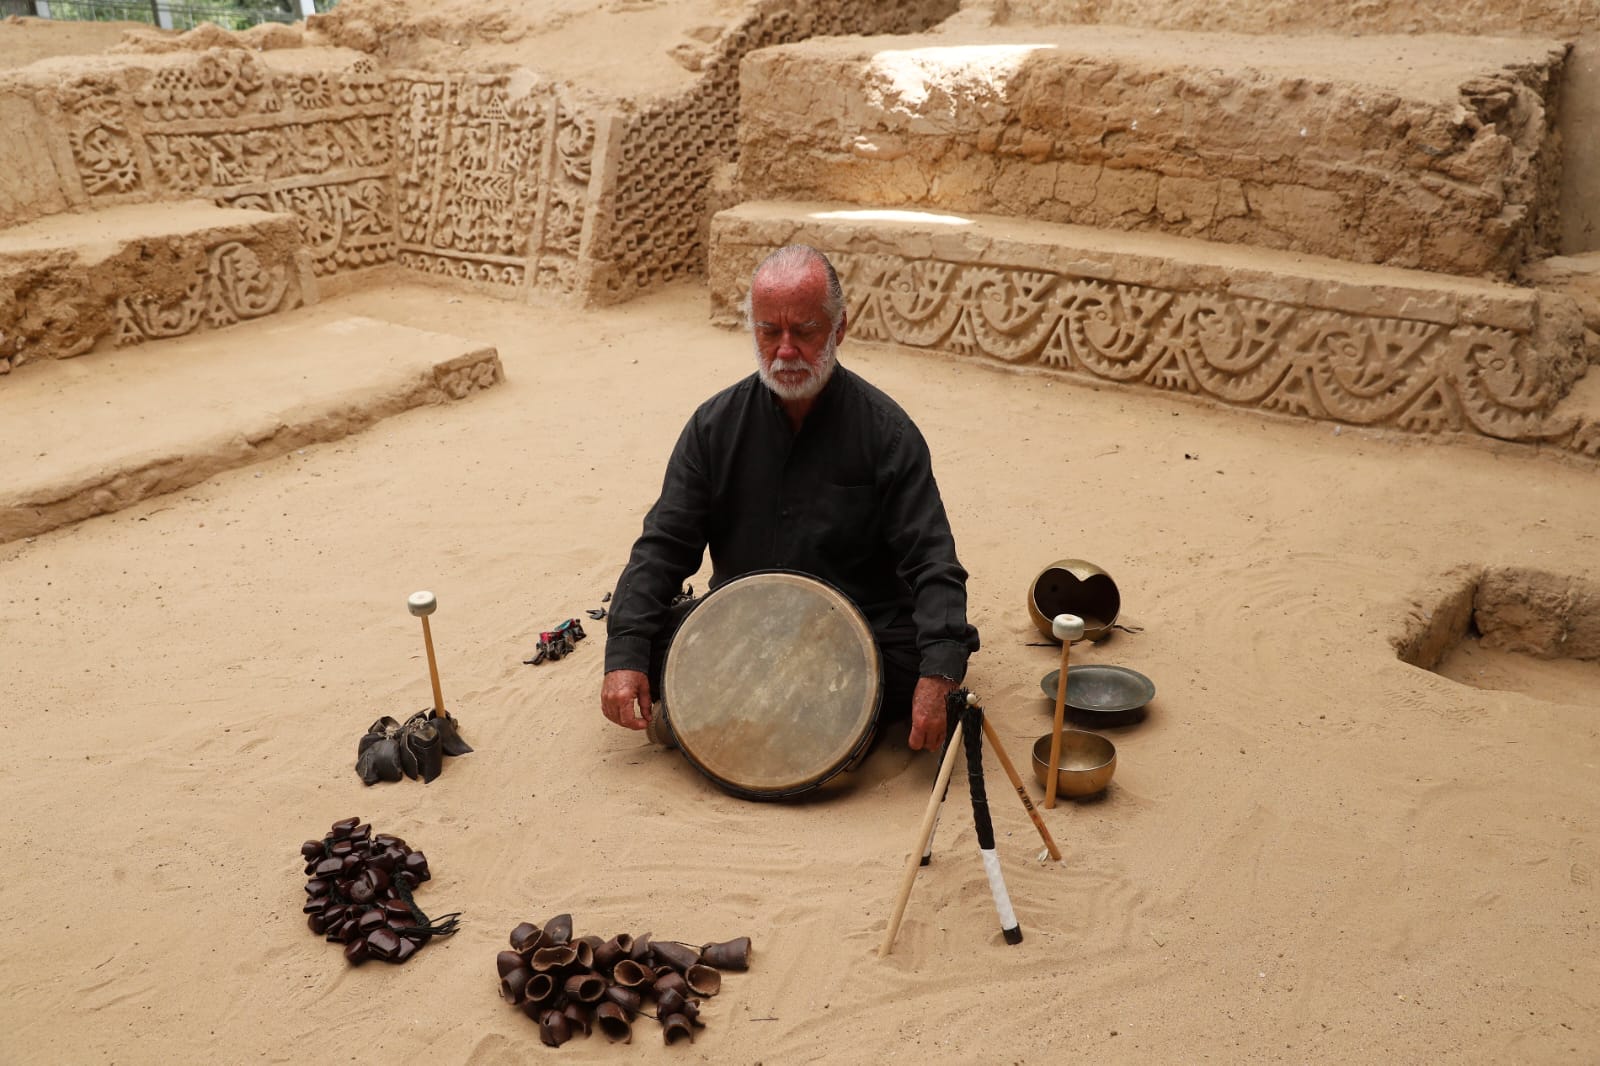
(222, 125)
(491, 188)
(102, 147)
(1365, 369)
(670, 148)
(235, 286)
(148, 288)
(456, 174)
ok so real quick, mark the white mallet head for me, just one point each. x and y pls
(1067, 628)
(423, 603)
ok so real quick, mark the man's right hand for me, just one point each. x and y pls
(625, 698)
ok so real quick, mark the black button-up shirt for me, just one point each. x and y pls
(849, 498)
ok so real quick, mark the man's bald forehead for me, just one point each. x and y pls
(802, 271)
(805, 279)
(791, 273)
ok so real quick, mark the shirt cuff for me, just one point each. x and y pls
(628, 653)
(944, 658)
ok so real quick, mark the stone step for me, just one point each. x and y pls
(90, 436)
(124, 275)
(1429, 152)
(1300, 335)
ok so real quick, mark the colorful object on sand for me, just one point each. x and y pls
(557, 643)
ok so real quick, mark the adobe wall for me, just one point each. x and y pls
(1431, 153)
(303, 133)
(1574, 20)
(141, 272)
(559, 189)
(1423, 354)
(507, 179)
(29, 183)
(1558, 18)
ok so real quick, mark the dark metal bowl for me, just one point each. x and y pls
(1102, 689)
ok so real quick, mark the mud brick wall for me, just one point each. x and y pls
(1367, 346)
(552, 188)
(491, 188)
(1545, 17)
(653, 223)
(160, 273)
(571, 194)
(30, 185)
(1121, 129)
(226, 125)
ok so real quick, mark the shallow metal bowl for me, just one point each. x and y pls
(1087, 762)
(1101, 688)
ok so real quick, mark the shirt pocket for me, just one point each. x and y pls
(846, 516)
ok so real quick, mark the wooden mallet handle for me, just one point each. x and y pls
(1022, 793)
(422, 604)
(1066, 628)
(923, 835)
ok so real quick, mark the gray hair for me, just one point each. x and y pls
(796, 257)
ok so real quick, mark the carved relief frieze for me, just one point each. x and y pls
(103, 149)
(1421, 377)
(65, 306)
(215, 84)
(476, 271)
(345, 225)
(214, 163)
(490, 188)
(235, 285)
(489, 183)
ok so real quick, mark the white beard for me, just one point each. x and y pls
(816, 379)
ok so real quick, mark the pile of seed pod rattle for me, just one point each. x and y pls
(577, 985)
(359, 894)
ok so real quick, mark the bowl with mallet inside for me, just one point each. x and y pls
(1087, 762)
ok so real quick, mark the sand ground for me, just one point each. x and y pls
(1311, 852)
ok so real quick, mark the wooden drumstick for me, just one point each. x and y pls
(422, 604)
(924, 834)
(1066, 628)
(1022, 793)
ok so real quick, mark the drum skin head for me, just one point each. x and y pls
(772, 684)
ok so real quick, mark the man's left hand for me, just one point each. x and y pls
(927, 712)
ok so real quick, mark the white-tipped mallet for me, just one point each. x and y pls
(1066, 628)
(422, 604)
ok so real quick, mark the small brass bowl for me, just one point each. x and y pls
(1087, 762)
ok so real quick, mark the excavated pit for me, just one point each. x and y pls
(1511, 629)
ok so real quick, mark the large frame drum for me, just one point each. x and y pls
(772, 684)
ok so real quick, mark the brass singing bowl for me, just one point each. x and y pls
(1074, 586)
(1101, 688)
(1087, 762)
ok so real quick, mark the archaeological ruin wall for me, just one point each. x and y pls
(1306, 144)
(262, 175)
(1577, 21)
(1545, 17)
(233, 127)
(508, 181)
(1392, 348)
(564, 191)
